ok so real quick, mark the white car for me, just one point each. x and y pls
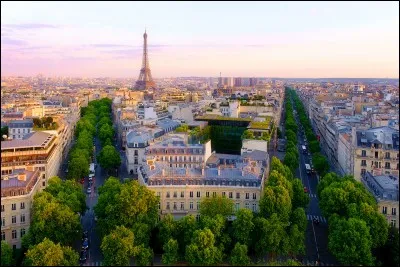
(89, 190)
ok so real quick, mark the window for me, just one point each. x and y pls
(14, 219)
(22, 205)
(3, 235)
(182, 194)
(254, 195)
(14, 234)
(247, 195)
(197, 217)
(207, 194)
(191, 193)
(13, 131)
(44, 184)
(3, 221)
(363, 153)
(393, 211)
(237, 195)
(182, 205)
(22, 218)
(363, 162)
(191, 205)
(22, 232)
(135, 152)
(387, 155)
(167, 205)
(19, 131)
(214, 194)
(198, 193)
(13, 206)
(387, 165)
(393, 222)
(2, 208)
(384, 210)
(175, 194)
(159, 205)
(247, 206)
(175, 208)
(376, 154)
(363, 171)
(136, 161)
(198, 205)
(237, 206)
(254, 207)
(168, 195)
(230, 195)
(224, 194)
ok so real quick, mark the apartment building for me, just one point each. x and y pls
(19, 128)
(39, 150)
(181, 174)
(17, 191)
(376, 150)
(385, 189)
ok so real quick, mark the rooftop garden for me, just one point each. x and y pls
(263, 125)
(45, 123)
(219, 117)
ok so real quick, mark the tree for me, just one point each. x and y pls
(314, 146)
(118, 247)
(216, 205)
(299, 199)
(293, 150)
(78, 168)
(125, 204)
(350, 241)
(185, 229)
(46, 253)
(239, 255)
(6, 254)
(320, 163)
(377, 223)
(275, 179)
(170, 256)
(105, 132)
(77, 152)
(48, 217)
(105, 120)
(68, 193)
(291, 161)
(202, 251)
(141, 231)
(167, 228)
(276, 165)
(299, 218)
(296, 240)
(291, 136)
(326, 181)
(271, 236)
(276, 199)
(243, 226)
(144, 256)
(109, 157)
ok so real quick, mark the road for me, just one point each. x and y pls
(316, 235)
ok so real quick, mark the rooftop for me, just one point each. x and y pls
(34, 139)
(380, 136)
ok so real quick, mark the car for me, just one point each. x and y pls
(316, 220)
(82, 181)
(85, 243)
(85, 234)
(305, 190)
(83, 256)
(90, 183)
(89, 190)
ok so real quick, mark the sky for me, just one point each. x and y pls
(238, 39)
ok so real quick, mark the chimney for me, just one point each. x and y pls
(21, 177)
(30, 168)
(202, 171)
(219, 170)
(163, 172)
(243, 172)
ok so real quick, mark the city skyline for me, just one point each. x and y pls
(285, 40)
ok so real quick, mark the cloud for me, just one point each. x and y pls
(29, 26)
(109, 45)
(10, 41)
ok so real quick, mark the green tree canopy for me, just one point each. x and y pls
(314, 146)
(291, 161)
(299, 199)
(239, 255)
(144, 256)
(78, 168)
(170, 256)
(186, 227)
(202, 250)
(216, 205)
(299, 218)
(320, 163)
(243, 226)
(46, 253)
(109, 157)
(48, 217)
(275, 179)
(106, 131)
(276, 199)
(167, 227)
(6, 254)
(277, 165)
(296, 240)
(350, 241)
(118, 247)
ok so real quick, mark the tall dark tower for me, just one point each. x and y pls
(145, 81)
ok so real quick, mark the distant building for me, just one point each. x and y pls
(386, 191)
(17, 129)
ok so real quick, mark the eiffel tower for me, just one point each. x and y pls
(145, 81)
